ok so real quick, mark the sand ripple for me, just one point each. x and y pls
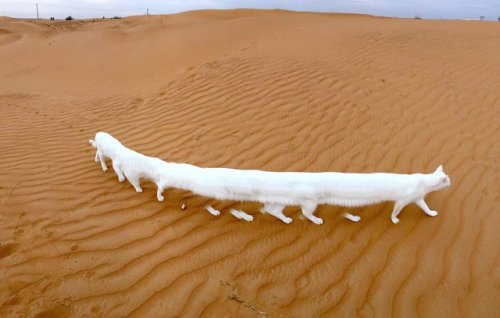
(247, 89)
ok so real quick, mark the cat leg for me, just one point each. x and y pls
(103, 163)
(212, 210)
(398, 206)
(159, 192)
(308, 211)
(118, 171)
(421, 203)
(134, 181)
(352, 217)
(276, 210)
(96, 159)
(241, 215)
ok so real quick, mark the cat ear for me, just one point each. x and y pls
(439, 169)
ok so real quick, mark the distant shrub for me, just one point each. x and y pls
(417, 17)
(52, 18)
(68, 18)
(116, 17)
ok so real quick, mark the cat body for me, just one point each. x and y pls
(136, 166)
(107, 147)
(275, 190)
(128, 163)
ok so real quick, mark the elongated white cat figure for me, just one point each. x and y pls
(275, 190)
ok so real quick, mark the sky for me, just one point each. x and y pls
(432, 9)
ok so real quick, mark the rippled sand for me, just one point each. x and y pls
(268, 90)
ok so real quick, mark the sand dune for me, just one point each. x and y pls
(270, 90)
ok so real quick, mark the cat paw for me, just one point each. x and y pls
(352, 217)
(121, 179)
(317, 220)
(138, 190)
(248, 218)
(212, 210)
(161, 198)
(104, 169)
(395, 220)
(287, 220)
(356, 218)
(432, 213)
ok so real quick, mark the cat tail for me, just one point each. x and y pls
(92, 143)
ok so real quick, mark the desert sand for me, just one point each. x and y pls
(270, 90)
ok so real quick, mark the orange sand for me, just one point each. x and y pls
(269, 90)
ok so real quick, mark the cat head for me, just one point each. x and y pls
(441, 180)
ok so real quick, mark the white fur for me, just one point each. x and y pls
(129, 164)
(107, 147)
(352, 217)
(212, 210)
(276, 190)
(241, 215)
